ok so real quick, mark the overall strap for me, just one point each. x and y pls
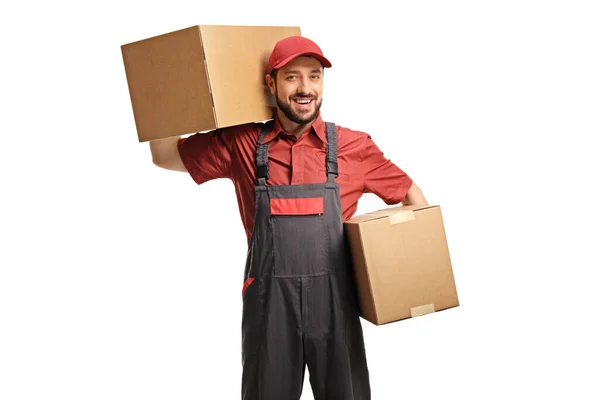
(262, 155)
(332, 151)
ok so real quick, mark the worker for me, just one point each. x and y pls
(297, 179)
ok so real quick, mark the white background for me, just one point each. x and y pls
(120, 280)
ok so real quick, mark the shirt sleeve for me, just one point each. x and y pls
(208, 155)
(381, 176)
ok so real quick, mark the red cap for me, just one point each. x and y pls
(291, 47)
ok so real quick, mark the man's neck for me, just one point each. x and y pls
(292, 127)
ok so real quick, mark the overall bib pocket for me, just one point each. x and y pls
(299, 236)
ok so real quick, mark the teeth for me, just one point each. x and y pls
(303, 101)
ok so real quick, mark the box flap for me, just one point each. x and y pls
(396, 214)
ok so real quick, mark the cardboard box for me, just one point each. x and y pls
(200, 78)
(401, 263)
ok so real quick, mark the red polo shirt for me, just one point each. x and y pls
(231, 153)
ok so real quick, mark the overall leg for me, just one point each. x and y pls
(275, 370)
(334, 346)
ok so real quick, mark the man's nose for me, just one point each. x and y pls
(303, 87)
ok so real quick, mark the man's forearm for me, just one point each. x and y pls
(165, 153)
(415, 197)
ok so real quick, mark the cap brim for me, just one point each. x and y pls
(323, 60)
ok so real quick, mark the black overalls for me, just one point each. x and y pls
(299, 299)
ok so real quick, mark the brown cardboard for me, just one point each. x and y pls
(401, 263)
(200, 78)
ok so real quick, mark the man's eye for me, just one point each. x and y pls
(289, 78)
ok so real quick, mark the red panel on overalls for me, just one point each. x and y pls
(301, 309)
(297, 206)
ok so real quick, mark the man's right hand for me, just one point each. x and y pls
(166, 155)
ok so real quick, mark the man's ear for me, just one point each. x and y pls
(271, 83)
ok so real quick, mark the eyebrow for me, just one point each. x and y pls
(297, 71)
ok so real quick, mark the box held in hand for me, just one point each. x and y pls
(401, 263)
(200, 78)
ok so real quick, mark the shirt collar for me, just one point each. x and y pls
(317, 127)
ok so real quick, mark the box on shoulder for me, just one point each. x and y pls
(401, 263)
(200, 78)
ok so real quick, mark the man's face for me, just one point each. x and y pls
(298, 89)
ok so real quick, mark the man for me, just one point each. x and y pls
(297, 179)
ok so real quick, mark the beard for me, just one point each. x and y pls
(294, 116)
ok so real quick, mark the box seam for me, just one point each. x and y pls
(212, 100)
